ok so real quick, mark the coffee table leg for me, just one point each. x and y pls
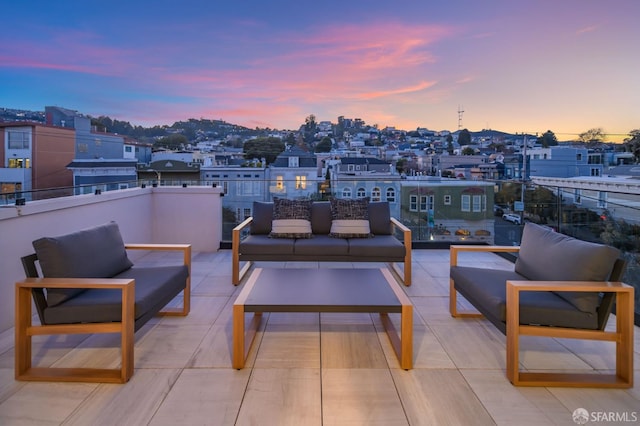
(238, 336)
(406, 337)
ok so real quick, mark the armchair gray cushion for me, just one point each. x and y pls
(96, 252)
(546, 255)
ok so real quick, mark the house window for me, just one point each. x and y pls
(391, 195)
(595, 172)
(578, 157)
(602, 199)
(294, 161)
(423, 203)
(247, 213)
(18, 140)
(19, 163)
(247, 188)
(465, 203)
(127, 149)
(447, 200)
(279, 182)
(361, 193)
(83, 147)
(301, 182)
(413, 203)
(477, 203)
(375, 194)
(346, 193)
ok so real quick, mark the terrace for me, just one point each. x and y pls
(302, 368)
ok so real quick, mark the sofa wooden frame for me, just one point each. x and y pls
(25, 329)
(622, 336)
(238, 271)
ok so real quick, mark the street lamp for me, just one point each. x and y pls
(158, 175)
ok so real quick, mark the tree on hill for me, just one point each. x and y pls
(548, 139)
(468, 151)
(592, 136)
(450, 144)
(267, 148)
(324, 145)
(632, 144)
(173, 141)
(464, 137)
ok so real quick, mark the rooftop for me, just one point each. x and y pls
(313, 369)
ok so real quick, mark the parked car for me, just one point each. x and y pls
(513, 218)
(498, 210)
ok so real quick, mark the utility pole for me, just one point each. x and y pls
(460, 111)
(523, 178)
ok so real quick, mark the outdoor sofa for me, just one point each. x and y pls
(253, 240)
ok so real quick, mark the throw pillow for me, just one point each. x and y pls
(291, 218)
(350, 218)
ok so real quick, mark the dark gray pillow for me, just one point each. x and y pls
(546, 255)
(262, 218)
(321, 217)
(89, 253)
(380, 218)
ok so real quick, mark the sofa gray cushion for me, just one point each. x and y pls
(546, 255)
(321, 217)
(154, 288)
(263, 244)
(380, 218)
(262, 218)
(321, 245)
(96, 252)
(386, 247)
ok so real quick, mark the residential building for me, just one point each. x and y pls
(294, 174)
(564, 162)
(448, 209)
(34, 157)
(241, 186)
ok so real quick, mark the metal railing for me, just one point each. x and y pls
(431, 208)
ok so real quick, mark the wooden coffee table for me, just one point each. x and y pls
(323, 290)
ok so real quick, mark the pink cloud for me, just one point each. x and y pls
(588, 29)
(417, 88)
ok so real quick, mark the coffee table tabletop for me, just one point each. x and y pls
(323, 290)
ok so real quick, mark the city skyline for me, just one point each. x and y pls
(514, 67)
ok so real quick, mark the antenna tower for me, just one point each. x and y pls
(460, 111)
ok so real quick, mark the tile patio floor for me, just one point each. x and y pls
(312, 369)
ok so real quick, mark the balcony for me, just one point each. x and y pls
(302, 368)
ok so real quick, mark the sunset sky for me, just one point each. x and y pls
(511, 65)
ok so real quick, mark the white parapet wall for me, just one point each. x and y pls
(145, 215)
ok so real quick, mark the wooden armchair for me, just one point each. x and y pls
(120, 302)
(560, 287)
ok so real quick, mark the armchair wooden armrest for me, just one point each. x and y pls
(622, 336)
(25, 330)
(236, 234)
(406, 237)
(186, 250)
(455, 249)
